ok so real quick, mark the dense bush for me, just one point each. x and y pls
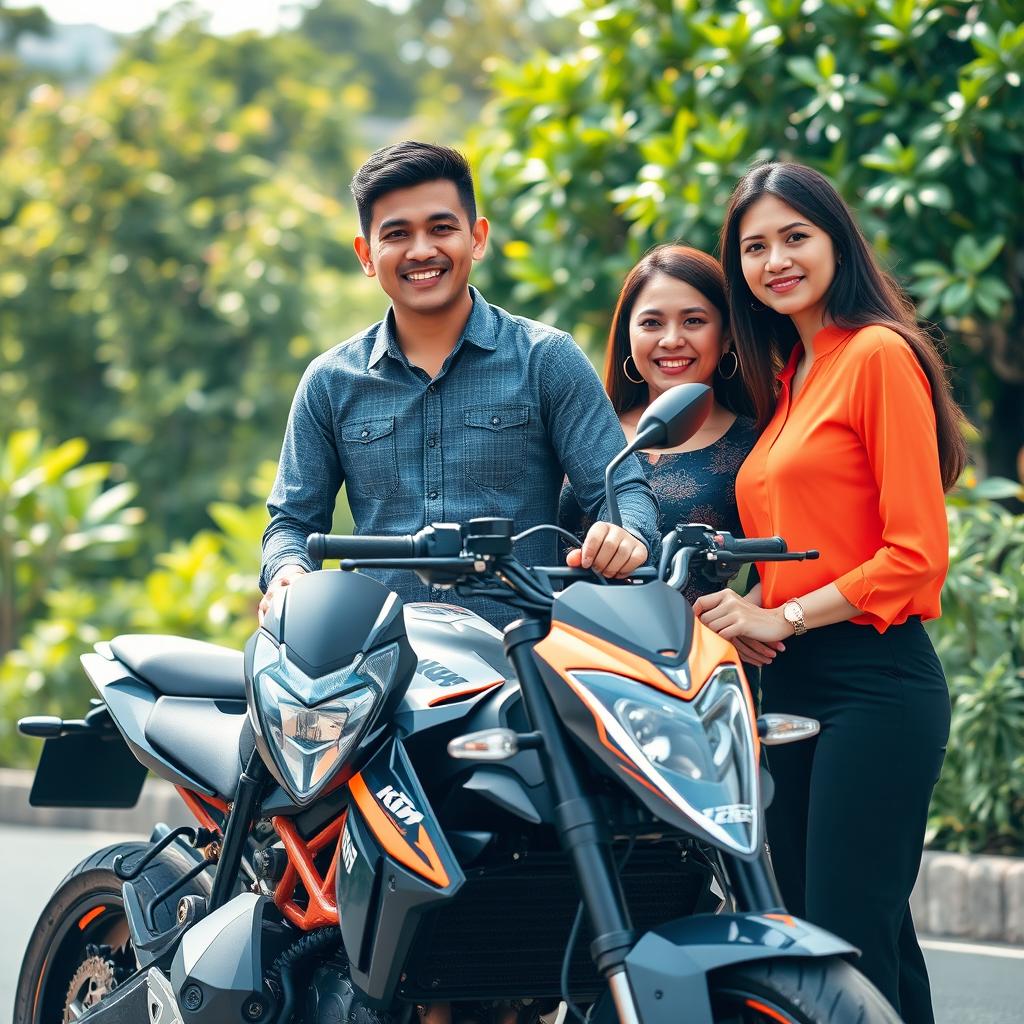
(913, 107)
(173, 251)
(979, 802)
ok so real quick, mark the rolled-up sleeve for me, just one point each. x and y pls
(586, 436)
(309, 476)
(891, 410)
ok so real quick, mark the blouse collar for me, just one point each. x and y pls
(825, 341)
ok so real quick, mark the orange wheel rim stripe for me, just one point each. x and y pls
(768, 1011)
(91, 916)
(391, 838)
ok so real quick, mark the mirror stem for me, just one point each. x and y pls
(611, 500)
(650, 436)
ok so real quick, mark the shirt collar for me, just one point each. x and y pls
(481, 330)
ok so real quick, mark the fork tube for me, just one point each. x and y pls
(236, 830)
(582, 832)
(754, 885)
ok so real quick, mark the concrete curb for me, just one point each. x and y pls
(958, 895)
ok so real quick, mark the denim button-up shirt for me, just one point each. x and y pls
(515, 408)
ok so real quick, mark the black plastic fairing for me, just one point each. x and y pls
(653, 621)
(203, 734)
(383, 898)
(329, 618)
(131, 702)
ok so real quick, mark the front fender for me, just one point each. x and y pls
(668, 968)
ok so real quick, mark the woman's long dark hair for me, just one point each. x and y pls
(861, 294)
(700, 271)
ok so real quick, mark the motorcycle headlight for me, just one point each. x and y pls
(699, 756)
(311, 724)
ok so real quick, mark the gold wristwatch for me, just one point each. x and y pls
(793, 613)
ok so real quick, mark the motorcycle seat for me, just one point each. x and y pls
(178, 667)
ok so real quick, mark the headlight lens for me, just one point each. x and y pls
(311, 725)
(699, 756)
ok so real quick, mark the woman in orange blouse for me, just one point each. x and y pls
(860, 440)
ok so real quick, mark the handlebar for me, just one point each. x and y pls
(477, 558)
(329, 545)
(754, 546)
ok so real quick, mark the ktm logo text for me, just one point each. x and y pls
(399, 805)
(730, 814)
(437, 673)
(348, 850)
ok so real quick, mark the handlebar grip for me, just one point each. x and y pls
(331, 545)
(757, 546)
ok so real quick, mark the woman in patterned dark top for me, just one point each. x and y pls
(671, 327)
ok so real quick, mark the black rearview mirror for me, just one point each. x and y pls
(672, 418)
(667, 422)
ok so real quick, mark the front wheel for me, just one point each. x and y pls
(797, 991)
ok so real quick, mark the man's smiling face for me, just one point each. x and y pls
(422, 246)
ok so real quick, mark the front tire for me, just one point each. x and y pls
(797, 991)
(81, 947)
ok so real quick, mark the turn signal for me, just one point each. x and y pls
(486, 745)
(776, 729)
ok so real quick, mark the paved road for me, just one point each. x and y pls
(973, 984)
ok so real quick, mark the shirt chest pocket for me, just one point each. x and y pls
(495, 443)
(371, 462)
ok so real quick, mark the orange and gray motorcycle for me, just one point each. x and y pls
(402, 811)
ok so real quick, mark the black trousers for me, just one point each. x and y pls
(847, 824)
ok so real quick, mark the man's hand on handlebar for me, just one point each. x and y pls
(284, 576)
(609, 550)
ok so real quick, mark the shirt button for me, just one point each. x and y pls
(432, 495)
(431, 388)
(432, 441)
(495, 420)
(365, 433)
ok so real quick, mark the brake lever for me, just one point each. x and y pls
(432, 571)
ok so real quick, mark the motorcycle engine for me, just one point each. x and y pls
(332, 999)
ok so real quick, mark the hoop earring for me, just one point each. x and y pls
(625, 370)
(756, 306)
(735, 365)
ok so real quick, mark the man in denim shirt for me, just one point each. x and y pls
(449, 408)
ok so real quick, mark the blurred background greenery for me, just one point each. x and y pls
(175, 246)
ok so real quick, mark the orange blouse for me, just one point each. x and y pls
(851, 467)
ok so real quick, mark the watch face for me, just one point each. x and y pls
(792, 612)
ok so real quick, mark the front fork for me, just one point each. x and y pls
(753, 885)
(581, 829)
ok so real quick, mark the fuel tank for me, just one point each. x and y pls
(458, 655)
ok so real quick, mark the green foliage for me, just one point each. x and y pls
(911, 106)
(15, 78)
(169, 243)
(979, 801)
(432, 58)
(59, 522)
(205, 588)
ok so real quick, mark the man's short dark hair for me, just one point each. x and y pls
(407, 164)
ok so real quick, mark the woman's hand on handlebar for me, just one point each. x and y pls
(609, 550)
